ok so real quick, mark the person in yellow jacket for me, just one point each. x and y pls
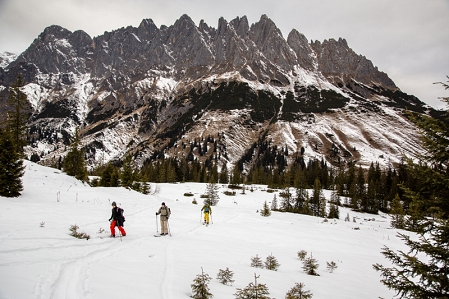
(207, 211)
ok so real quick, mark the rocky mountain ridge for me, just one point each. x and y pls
(155, 90)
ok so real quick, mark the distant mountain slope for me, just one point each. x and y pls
(150, 89)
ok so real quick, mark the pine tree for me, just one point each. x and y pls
(300, 200)
(256, 262)
(13, 137)
(310, 265)
(265, 210)
(11, 166)
(225, 276)
(200, 288)
(253, 291)
(18, 115)
(224, 178)
(236, 178)
(212, 193)
(411, 277)
(413, 220)
(106, 178)
(397, 213)
(298, 292)
(423, 271)
(318, 201)
(127, 175)
(286, 200)
(334, 212)
(271, 263)
(74, 163)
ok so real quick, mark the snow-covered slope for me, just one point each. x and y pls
(39, 259)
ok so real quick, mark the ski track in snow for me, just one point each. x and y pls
(71, 275)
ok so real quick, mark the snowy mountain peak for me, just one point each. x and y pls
(153, 90)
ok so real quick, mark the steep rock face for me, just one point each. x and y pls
(57, 50)
(340, 64)
(150, 90)
(304, 53)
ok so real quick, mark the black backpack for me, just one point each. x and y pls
(120, 212)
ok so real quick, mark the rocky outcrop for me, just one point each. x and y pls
(340, 64)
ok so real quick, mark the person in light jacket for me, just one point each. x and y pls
(164, 211)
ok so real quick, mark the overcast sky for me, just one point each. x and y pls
(407, 39)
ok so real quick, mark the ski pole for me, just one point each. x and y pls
(201, 218)
(157, 226)
(211, 220)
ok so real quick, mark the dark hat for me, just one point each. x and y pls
(114, 204)
(163, 203)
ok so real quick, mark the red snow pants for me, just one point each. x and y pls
(120, 228)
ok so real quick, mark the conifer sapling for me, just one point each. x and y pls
(310, 265)
(200, 288)
(253, 291)
(298, 292)
(271, 263)
(265, 210)
(225, 276)
(256, 262)
(331, 266)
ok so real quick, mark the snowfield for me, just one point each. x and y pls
(39, 258)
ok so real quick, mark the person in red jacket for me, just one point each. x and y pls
(117, 220)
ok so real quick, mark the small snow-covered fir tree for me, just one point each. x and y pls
(271, 263)
(265, 210)
(310, 265)
(200, 288)
(331, 266)
(256, 262)
(253, 291)
(225, 276)
(298, 292)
